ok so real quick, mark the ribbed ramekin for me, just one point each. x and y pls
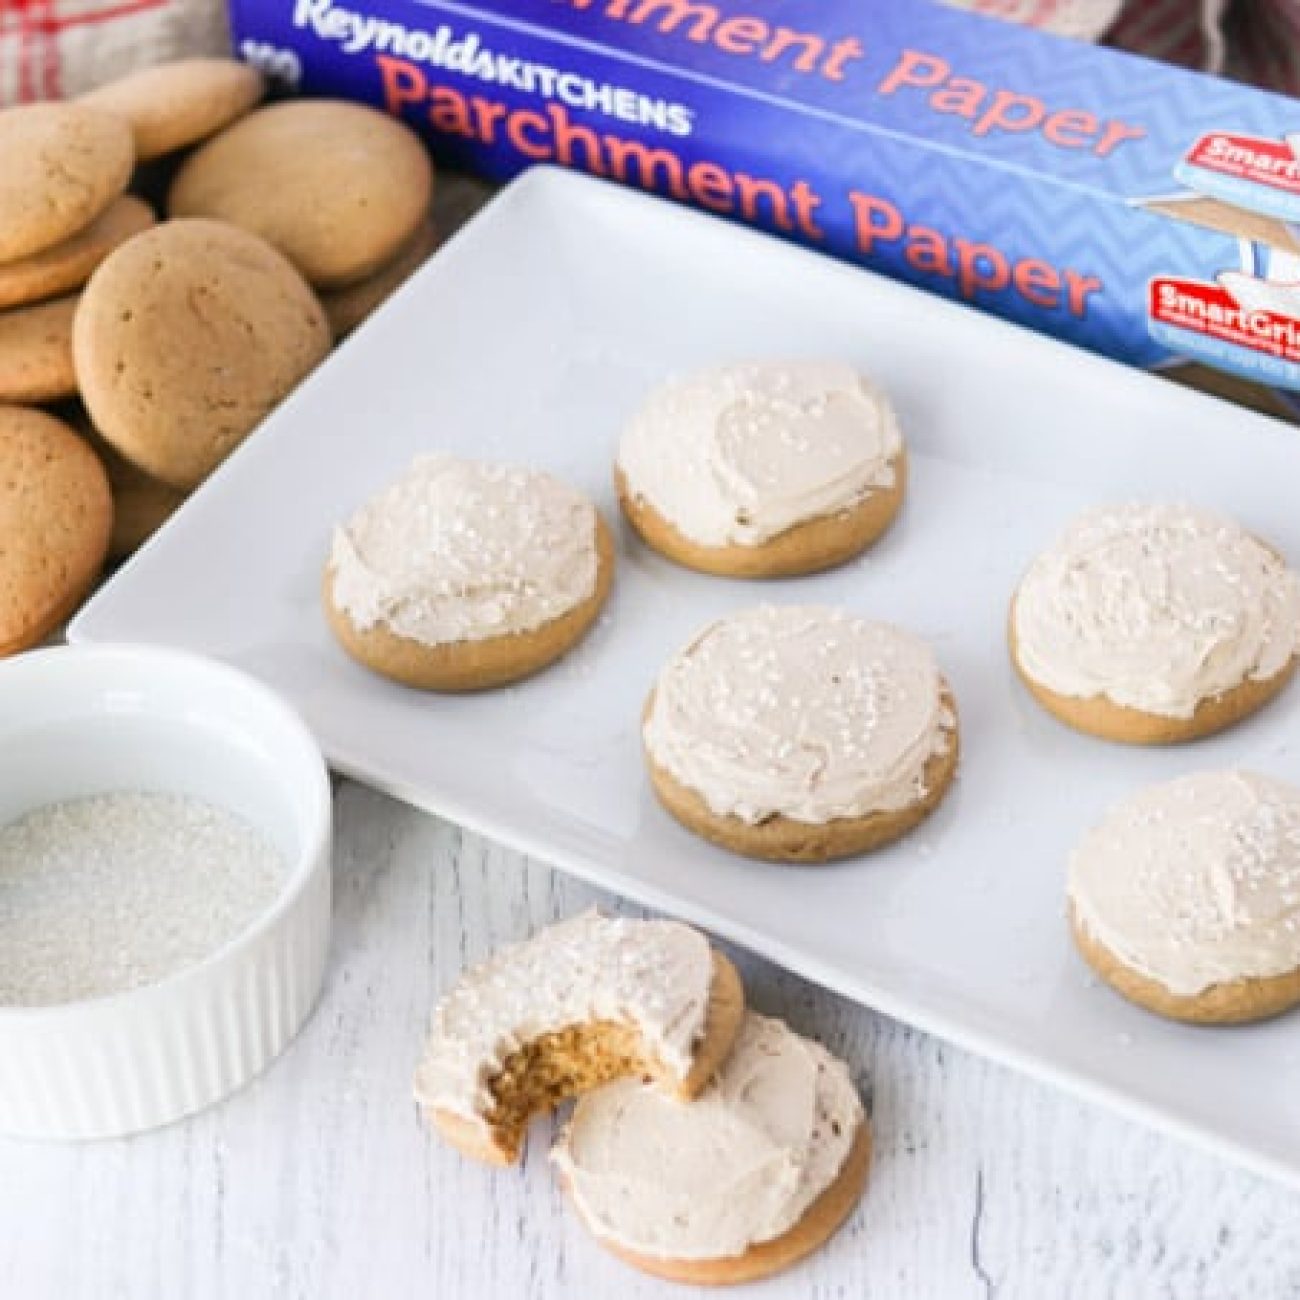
(79, 721)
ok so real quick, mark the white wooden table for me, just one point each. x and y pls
(318, 1181)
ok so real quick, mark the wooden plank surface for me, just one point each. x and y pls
(318, 1180)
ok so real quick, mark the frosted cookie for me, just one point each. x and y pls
(186, 337)
(756, 1173)
(347, 308)
(173, 105)
(1186, 898)
(63, 165)
(763, 469)
(580, 1003)
(1153, 624)
(338, 188)
(801, 734)
(36, 352)
(68, 265)
(464, 575)
(55, 518)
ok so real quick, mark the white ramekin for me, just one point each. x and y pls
(83, 720)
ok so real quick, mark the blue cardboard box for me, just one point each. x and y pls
(1139, 210)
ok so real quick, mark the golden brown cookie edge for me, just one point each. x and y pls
(1237, 1002)
(462, 666)
(810, 547)
(782, 839)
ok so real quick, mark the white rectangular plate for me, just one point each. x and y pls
(531, 337)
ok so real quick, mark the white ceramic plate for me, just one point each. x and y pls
(531, 337)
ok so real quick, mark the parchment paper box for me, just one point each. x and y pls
(1139, 210)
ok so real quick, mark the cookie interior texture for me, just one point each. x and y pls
(555, 1067)
(552, 1069)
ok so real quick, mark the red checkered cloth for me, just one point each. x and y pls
(50, 48)
(1253, 40)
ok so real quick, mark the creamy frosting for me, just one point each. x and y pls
(1196, 882)
(1156, 607)
(736, 454)
(801, 711)
(658, 975)
(461, 550)
(738, 1166)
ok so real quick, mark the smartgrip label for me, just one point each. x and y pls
(1204, 321)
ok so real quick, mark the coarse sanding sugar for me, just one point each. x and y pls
(108, 893)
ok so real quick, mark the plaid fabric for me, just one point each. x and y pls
(50, 48)
(1253, 40)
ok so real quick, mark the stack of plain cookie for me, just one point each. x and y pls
(159, 345)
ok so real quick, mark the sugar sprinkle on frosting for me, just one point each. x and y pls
(801, 711)
(463, 550)
(1196, 882)
(1155, 607)
(736, 454)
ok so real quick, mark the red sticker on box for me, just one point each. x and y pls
(1209, 310)
(1248, 158)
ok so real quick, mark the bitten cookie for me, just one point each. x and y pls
(36, 352)
(581, 1003)
(186, 337)
(63, 164)
(68, 265)
(173, 105)
(1186, 898)
(1153, 624)
(763, 469)
(338, 188)
(464, 575)
(347, 308)
(756, 1173)
(55, 517)
(801, 734)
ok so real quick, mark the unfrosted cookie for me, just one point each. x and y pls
(1185, 898)
(61, 165)
(464, 575)
(337, 187)
(141, 505)
(762, 469)
(756, 1173)
(347, 308)
(36, 352)
(1153, 624)
(55, 517)
(173, 105)
(68, 265)
(186, 337)
(799, 733)
(580, 1003)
